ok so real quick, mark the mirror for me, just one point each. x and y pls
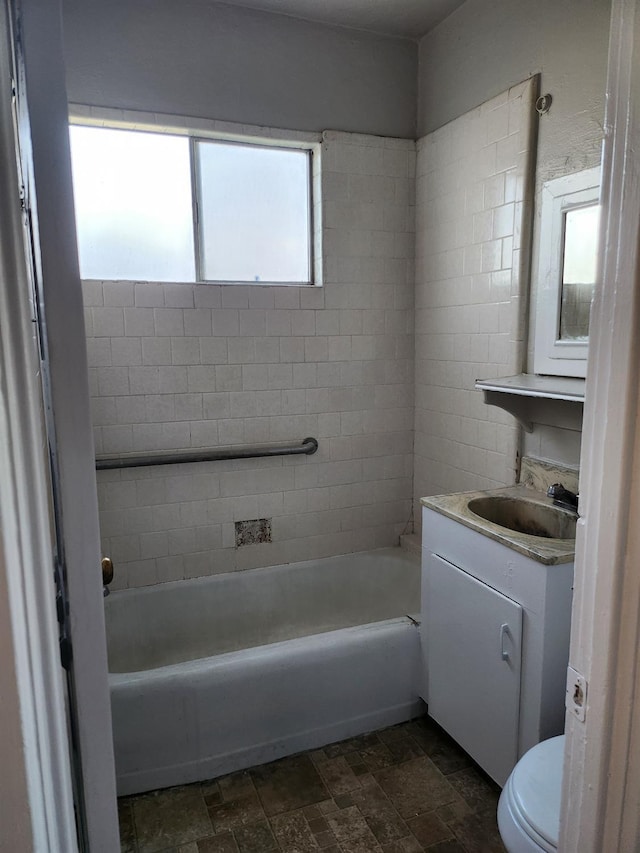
(569, 230)
(579, 264)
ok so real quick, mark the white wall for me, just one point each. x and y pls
(202, 59)
(486, 46)
(472, 192)
(179, 366)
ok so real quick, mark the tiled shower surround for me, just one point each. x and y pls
(473, 176)
(178, 366)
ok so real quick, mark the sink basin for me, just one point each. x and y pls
(525, 516)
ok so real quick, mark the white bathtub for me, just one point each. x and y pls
(216, 674)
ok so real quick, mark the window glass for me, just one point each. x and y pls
(133, 204)
(581, 245)
(579, 268)
(254, 213)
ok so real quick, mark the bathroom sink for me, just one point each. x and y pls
(525, 516)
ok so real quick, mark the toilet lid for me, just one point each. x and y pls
(536, 787)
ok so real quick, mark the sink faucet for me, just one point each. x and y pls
(563, 497)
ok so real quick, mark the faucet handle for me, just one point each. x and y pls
(563, 497)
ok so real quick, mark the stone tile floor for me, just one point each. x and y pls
(400, 790)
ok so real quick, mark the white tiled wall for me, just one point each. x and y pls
(553, 443)
(180, 366)
(472, 176)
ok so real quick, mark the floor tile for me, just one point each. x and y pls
(352, 832)
(447, 847)
(360, 770)
(255, 838)
(376, 756)
(236, 813)
(436, 743)
(337, 775)
(325, 839)
(127, 827)
(476, 789)
(294, 834)
(211, 789)
(381, 817)
(396, 732)
(314, 812)
(429, 829)
(212, 795)
(170, 818)
(403, 749)
(478, 833)
(415, 787)
(236, 785)
(327, 806)
(288, 784)
(454, 810)
(318, 824)
(410, 844)
(223, 843)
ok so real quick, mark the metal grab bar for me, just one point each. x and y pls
(105, 463)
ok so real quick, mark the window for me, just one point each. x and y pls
(161, 207)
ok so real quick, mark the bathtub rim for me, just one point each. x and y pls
(227, 659)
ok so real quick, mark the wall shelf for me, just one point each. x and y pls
(525, 394)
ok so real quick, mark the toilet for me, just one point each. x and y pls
(529, 807)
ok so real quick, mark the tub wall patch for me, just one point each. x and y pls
(253, 531)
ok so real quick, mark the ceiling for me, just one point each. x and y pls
(406, 18)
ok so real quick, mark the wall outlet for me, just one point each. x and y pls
(576, 698)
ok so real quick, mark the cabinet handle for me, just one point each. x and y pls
(504, 632)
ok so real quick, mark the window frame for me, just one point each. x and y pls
(203, 131)
(196, 184)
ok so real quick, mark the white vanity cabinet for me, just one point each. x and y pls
(495, 635)
(475, 635)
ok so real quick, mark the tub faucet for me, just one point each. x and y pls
(563, 497)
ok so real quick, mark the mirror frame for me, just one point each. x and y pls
(552, 355)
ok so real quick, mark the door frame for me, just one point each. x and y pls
(45, 173)
(36, 805)
(601, 791)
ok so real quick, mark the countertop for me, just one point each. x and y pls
(547, 551)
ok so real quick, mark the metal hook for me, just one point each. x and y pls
(543, 104)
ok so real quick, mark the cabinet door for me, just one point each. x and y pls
(474, 648)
